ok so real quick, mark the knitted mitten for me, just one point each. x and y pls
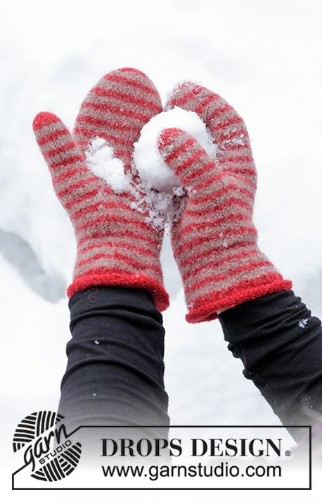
(214, 238)
(117, 244)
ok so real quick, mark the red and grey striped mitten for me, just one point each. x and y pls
(214, 238)
(118, 240)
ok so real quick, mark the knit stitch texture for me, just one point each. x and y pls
(214, 238)
(116, 245)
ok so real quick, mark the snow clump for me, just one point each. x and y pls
(102, 162)
(152, 169)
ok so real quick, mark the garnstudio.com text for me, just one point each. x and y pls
(223, 469)
(197, 447)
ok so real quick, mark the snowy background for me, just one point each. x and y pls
(264, 57)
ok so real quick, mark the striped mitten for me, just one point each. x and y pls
(214, 238)
(118, 240)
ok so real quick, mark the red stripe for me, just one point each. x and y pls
(196, 240)
(117, 111)
(99, 122)
(119, 258)
(111, 218)
(194, 268)
(218, 193)
(131, 82)
(223, 126)
(177, 150)
(119, 152)
(213, 100)
(145, 251)
(126, 113)
(215, 278)
(205, 102)
(74, 187)
(140, 237)
(202, 170)
(60, 148)
(206, 305)
(196, 157)
(240, 170)
(50, 135)
(204, 184)
(63, 161)
(123, 97)
(93, 207)
(191, 94)
(197, 226)
(231, 158)
(249, 181)
(71, 172)
(120, 125)
(219, 112)
(222, 219)
(180, 250)
(108, 138)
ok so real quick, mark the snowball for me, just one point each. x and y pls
(153, 171)
(102, 162)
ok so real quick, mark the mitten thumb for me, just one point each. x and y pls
(71, 178)
(56, 144)
(188, 160)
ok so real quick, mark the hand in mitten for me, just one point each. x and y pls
(118, 243)
(214, 238)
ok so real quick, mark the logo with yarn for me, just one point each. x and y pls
(47, 447)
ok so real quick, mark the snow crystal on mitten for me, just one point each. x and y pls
(152, 168)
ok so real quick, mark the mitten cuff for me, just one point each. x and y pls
(206, 307)
(159, 294)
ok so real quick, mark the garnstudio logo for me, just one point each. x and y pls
(47, 447)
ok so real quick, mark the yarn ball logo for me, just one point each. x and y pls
(47, 446)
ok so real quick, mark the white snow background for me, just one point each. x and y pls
(263, 57)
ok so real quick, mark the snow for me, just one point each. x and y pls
(51, 54)
(102, 162)
(149, 162)
(156, 205)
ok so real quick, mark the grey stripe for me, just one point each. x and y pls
(73, 194)
(127, 87)
(210, 207)
(87, 131)
(63, 156)
(61, 141)
(118, 118)
(212, 259)
(112, 264)
(49, 129)
(113, 241)
(124, 216)
(195, 169)
(210, 271)
(212, 286)
(109, 251)
(213, 243)
(79, 175)
(107, 228)
(126, 90)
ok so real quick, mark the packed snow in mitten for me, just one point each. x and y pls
(154, 172)
(157, 179)
(102, 162)
(147, 159)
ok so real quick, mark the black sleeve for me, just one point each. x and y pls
(115, 366)
(280, 345)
